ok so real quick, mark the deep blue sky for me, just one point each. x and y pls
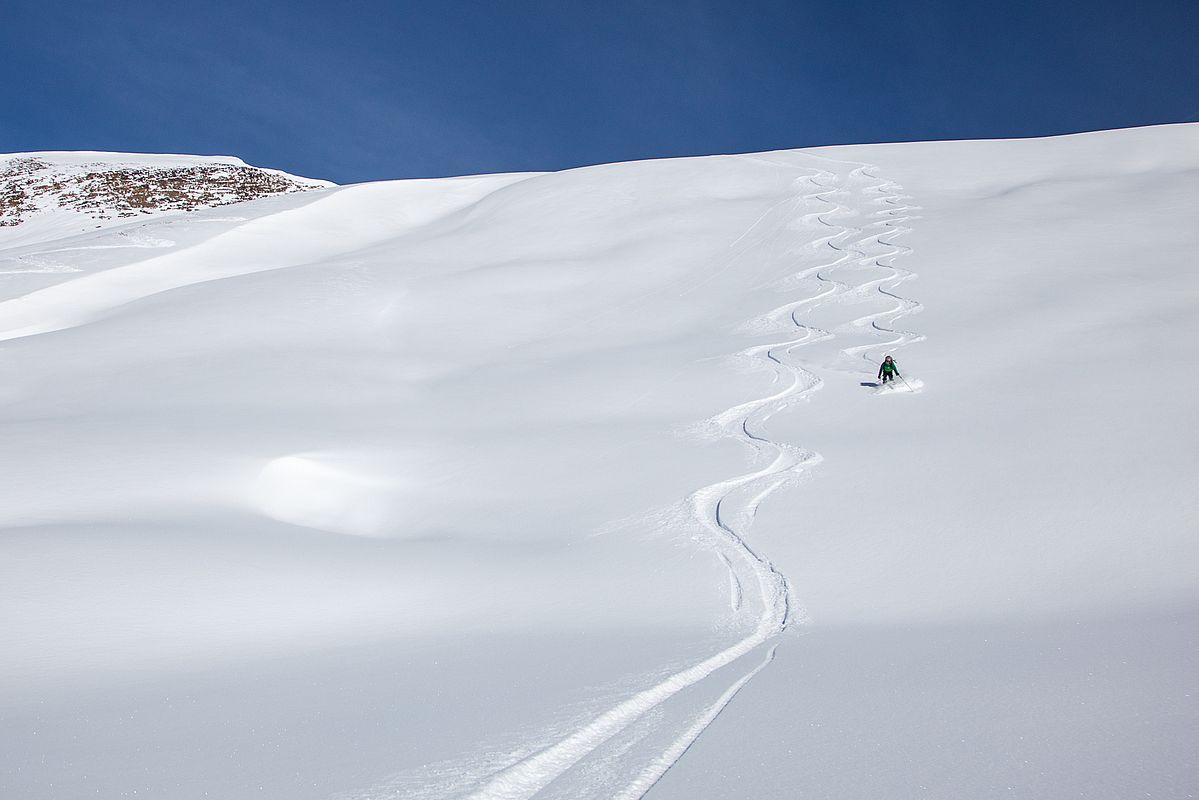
(355, 91)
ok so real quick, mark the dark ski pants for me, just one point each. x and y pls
(890, 376)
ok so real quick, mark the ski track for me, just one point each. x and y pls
(719, 508)
(898, 212)
(662, 764)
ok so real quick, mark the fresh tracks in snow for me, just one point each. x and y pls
(894, 215)
(725, 510)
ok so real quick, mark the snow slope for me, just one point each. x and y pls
(578, 485)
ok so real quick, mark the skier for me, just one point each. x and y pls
(888, 370)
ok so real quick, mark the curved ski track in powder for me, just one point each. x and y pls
(726, 508)
(894, 217)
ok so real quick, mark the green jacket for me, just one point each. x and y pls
(889, 367)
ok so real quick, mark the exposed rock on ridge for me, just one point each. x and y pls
(103, 190)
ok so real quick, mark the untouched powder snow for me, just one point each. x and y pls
(582, 485)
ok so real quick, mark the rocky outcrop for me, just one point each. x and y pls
(103, 191)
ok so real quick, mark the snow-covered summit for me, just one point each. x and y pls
(87, 190)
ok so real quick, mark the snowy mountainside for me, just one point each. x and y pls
(581, 484)
(92, 190)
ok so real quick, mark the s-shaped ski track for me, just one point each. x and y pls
(724, 511)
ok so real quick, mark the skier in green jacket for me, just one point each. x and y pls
(888, 370)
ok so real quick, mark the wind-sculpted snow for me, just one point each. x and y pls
(581, 485)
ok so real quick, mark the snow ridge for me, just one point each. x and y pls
(113, 186)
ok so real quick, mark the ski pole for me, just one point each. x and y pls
(905, 382)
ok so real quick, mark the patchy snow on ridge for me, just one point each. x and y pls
(82, 191)
(581, 484)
